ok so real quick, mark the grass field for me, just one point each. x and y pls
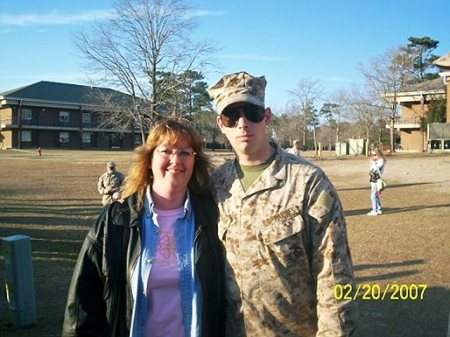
(54, 200)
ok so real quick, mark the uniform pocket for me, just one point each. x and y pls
(279, 231)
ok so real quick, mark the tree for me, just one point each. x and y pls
(386, 76)
(438, 111)
(286, 126)
(420, 49)
(142, 40)
(307, 92)
(332, 114)
(186, 93)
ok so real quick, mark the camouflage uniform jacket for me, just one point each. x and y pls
(287, 247)
(113, 180)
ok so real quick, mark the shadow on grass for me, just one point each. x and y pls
(404, 313)
(388, 210)
(427, 317)
(392, 186)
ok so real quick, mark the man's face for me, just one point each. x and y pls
(247, 137)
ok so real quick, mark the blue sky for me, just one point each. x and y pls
(285, 40)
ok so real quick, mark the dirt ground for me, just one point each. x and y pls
(53, 199)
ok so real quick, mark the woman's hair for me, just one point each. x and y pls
(170, 131)
(377, 151)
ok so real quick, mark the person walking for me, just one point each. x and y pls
(377, 165)
(282, 225)
(109, 183)
(153, 265)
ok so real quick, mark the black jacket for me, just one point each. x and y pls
(100, 300)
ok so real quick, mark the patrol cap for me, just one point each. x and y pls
(236, 88)
(111, 165)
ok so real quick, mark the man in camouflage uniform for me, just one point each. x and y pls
(109, 184)
(282, 225)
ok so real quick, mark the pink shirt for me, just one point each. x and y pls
(164, 312)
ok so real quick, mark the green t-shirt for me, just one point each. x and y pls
(248, 174)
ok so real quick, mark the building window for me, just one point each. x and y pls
(26, 114)
(26, 136)
(64, 116)
(63, 137)
(86, 137)
(86, 118)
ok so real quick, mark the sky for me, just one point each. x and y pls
(284, 40)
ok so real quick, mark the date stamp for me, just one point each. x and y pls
(376, 292)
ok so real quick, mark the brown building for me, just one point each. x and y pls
(415, 107)
(59, 115)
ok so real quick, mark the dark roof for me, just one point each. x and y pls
(443, 62)
(63, 93)
(431, 85)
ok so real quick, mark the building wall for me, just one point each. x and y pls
(414, 112)
(6, 138)
(45, 126)
(413, 140)
(5, 114)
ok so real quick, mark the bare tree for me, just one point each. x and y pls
(386, 76)
(286, 126)
(305, 95)
(142, 39)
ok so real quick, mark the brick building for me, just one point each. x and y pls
(415, 106)
(59, 115)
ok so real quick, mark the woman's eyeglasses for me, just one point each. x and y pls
(253, 113)
(169, 153)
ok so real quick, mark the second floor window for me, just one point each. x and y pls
(86, 118)
(26, 114)
(64, 116)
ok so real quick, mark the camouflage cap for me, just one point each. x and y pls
(111, 165)
(238, 87)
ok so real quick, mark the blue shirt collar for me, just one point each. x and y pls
(149, 204)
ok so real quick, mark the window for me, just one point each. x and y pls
(86, 118)
(86, 137)
(64, 116)
(26, 114)
(137, 140)
(26, 136)
(63, 137)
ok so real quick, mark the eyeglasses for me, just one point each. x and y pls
(169, 153)
(253, 113)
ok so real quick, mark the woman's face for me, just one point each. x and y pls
(172, 166)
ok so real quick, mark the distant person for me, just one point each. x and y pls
(153, 265)
(282, 225)
(295, 149)
(39, 151)
(109, 184)
(377, 165)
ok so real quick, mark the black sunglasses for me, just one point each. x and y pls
(253, 113)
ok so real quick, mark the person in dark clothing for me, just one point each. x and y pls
(152, 265)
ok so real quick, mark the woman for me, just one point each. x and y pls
(153, 265)
(377, 165)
